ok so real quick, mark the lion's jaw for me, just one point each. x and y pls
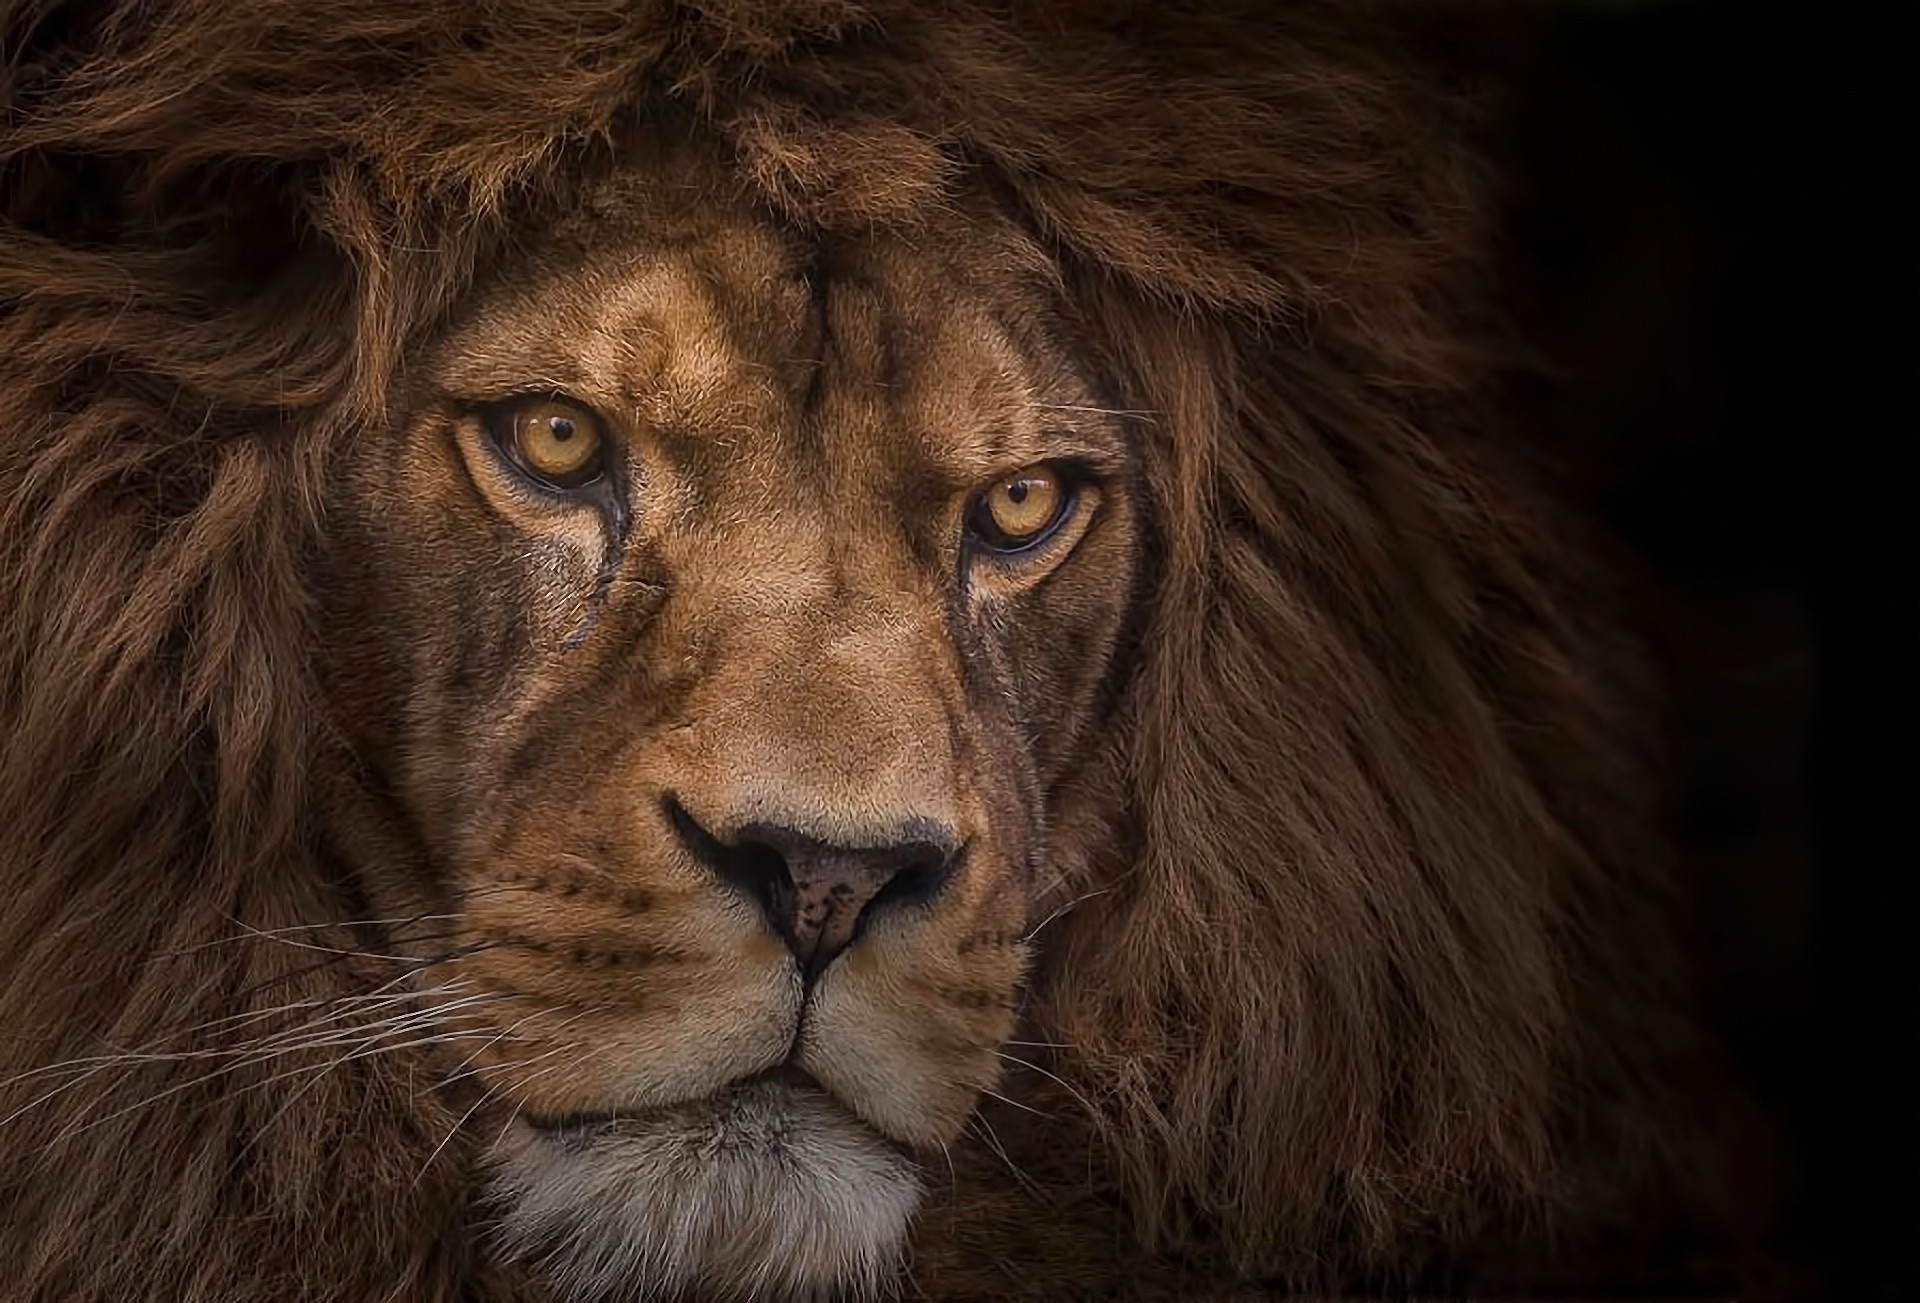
(767, 1189)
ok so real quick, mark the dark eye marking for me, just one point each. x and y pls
(562, 448)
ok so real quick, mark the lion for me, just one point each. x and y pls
(801, 649)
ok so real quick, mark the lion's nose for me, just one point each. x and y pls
(820, 895)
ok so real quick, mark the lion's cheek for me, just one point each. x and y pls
(907, 1027)
(705, 1010)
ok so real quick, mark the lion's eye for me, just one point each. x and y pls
(558, 443)
(1021, 510)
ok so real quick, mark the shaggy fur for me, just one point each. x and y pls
(1369, 980)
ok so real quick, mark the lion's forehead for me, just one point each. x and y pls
(884, 367)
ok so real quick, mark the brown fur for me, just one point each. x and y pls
(1351, 952)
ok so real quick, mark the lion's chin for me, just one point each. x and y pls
(765, 1190)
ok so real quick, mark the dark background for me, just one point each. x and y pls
(1710, 235)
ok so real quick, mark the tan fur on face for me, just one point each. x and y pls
(1307, 846)
(772, 618)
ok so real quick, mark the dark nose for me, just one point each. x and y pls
(819, 895)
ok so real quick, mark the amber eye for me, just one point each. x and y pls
(561, 444)
(1020, 511)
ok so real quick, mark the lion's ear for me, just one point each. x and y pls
(1332, 1000)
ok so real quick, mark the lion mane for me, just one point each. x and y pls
(1375, 984)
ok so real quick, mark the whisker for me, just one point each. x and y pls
(293, 975)
(1035, 930)
(454, 1131)
(987, 1134)
(1098, 411)
(507, 1126)
(460, 1070)
(1014, 1103)
(381, 996)
(404, 1021)
(249, 1054)
(250, 933)
(278, 1040)
(953, 1176)
(586, 1053)
(412, 968)
(297, 1095)
(367, 1049)
(331, 950)
(1079, 1098)
(591, 1052)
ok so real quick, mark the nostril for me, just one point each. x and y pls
(756, 871)
(921, 873)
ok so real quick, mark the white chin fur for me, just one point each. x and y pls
(763, 1192)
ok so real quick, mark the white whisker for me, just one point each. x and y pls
(1035, 930)
(1078, 1098)
(987, 1134)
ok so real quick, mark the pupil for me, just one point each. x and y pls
(561, 428)
(1017, 492)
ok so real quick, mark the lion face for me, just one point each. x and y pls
(709, 636)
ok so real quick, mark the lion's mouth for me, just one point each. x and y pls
(763, 1091)
(592, 1121)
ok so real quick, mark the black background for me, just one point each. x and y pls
(1710, 230)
